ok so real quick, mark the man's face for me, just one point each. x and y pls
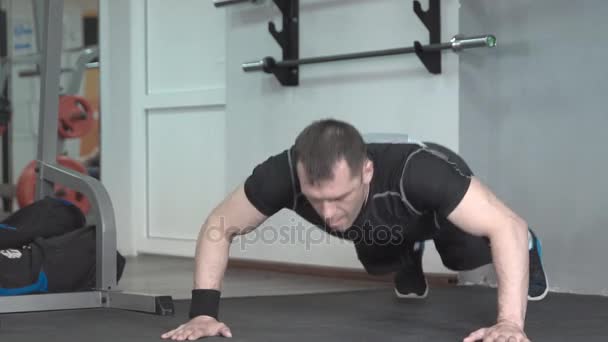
(339, 200)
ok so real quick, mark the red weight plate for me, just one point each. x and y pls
(75, 116)
(26, 185)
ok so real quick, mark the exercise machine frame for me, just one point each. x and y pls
(105, 295)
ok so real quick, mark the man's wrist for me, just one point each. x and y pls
(205, 302)
(511, 320)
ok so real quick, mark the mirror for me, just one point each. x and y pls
(78, 125)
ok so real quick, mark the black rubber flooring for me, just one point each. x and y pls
(448, 314)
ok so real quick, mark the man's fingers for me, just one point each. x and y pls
(498, 338)
(172, 332)
(185, 334)
(193, 332)
(475, 335)
(225, 331)
(195, 335)
(222, 330)
(167, 334)
(179, 336)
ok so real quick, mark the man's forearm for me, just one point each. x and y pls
(212, 251)
(510, 254)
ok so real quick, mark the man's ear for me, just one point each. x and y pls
(368, 171)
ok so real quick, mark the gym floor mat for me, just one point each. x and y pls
(448, 314)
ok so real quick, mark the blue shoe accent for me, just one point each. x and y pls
(538, 284)
(7, 227)
(539, 246)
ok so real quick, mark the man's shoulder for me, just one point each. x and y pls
(388, 153)
(279, 158)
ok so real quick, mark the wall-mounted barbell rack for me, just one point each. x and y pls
(287, 70)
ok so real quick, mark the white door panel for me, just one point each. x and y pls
(185, 169)
(185, 44)
(179, 126)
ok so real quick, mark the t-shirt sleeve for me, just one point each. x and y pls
(270, 186)
(431, 183)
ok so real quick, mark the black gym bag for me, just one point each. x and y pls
(47, 248)
(45, 218)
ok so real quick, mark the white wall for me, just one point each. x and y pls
(384, 94)
(533, 125)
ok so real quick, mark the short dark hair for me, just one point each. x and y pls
(323, 143)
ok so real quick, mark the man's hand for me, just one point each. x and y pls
(501, 332)
(198, 327)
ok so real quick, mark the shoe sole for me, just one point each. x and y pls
(413, 295)
(541, 297)
(544, 294)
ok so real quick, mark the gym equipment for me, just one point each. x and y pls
(75, 112)
(448, 314)
(75, 116)
(287, 70)
(86, 60)
(26, 185)
(5, 112)
(288, 40)
(456, 44)
(222, 3)
(73, 123)
(7, 189)
(101, 214)
(5, 119)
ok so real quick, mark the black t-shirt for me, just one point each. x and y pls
(412, 187)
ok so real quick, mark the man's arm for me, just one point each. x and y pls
(268, 189)
(432, 183)
(234, 216)
(481, 213)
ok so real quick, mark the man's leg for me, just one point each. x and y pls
(410, 281)
(404, 261)
(460, 251)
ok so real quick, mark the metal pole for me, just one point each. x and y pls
(357, 55)
(457, 43)
(222, 3)
(39, 26)
(49, 90)
(49, 172)
(460, 42)
(82, 64)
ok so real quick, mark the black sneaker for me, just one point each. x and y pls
(410, 281)
(539, 285)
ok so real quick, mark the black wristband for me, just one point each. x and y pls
(205, 302)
